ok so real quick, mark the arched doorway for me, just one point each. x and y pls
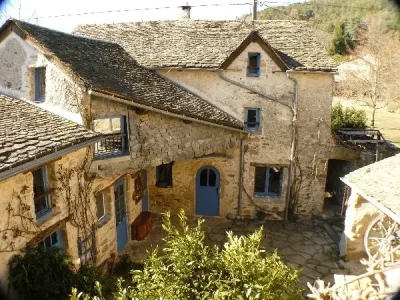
(207, 191)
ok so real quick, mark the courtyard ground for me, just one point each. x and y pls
(304, 244)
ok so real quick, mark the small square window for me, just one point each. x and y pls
(116, 141)
(268, 181)
(100, 207)
(164, 175)
(253, 66)
(40, 84)
(41, 192)
(252, 119)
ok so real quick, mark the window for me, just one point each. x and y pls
(252, 119)
(116, 141)
(100, 207)
(41, 193)
(164, 175)
(253, 67)
(268, 181)
(40, 84)
(87, 248)
(53, 240)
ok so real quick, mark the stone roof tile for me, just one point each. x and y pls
(381, 181)
(48, 132)
(207, 44)
(107, 67)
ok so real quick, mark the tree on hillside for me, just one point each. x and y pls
(380, 50)
(341, 42)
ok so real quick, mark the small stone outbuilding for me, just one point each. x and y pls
(374, 191)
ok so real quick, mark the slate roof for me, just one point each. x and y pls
(380, 181)
(206, 44)
(107, 67)
(28, 132)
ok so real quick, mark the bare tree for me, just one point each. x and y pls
(379, 49)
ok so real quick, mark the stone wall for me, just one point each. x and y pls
(156, 139)
(22, 185)
(273, 92)
(17, 67)
(359, 214)
(183, 192)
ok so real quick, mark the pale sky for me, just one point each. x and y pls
(37, 11)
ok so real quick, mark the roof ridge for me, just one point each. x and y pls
(16, 21)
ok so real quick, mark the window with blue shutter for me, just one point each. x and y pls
(268, 182)
(252, 119)
(254, 65)
(40, 84)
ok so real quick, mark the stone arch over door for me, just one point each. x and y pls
(207, 191)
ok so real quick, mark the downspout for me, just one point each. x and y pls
(241, 164)
(293, 142)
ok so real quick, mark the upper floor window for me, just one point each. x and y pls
(268, 181)
(253, 66)
(41, 192)
(116, 142)
(53, 240)
(164, 175)
(40, 84)
(252, 119)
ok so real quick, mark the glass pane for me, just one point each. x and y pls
(42, 83)
(251, 116)
(253, 61)
(54, 239)
(212, 179)
(100, 205)
(259, 181)
(39, 187)
(47, 242)
(107, 126)
(203, 177)
(274, 181)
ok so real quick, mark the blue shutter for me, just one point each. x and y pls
(255, 124)
(40, 84)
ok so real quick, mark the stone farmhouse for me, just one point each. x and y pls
(227, 118)
(34, 145)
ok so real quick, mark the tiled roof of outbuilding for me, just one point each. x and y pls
(28, 132)
(107, 67)
(206, 44)
(381, 181)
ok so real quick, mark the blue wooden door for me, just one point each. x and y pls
(120, 214)
(207, 192)
(145, 199)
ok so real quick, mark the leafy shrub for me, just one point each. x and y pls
(47, 273)
(348, 117)
(41, 274)
(188, 269)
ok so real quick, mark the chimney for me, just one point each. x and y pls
(254, 15)
(186, 11)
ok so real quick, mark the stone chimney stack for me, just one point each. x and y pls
(186, 11)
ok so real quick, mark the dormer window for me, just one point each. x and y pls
(253, 67)
(40, 84)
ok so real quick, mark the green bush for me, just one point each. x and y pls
(47, 273)
(41, 274)
(348, 117)
(188, 269)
